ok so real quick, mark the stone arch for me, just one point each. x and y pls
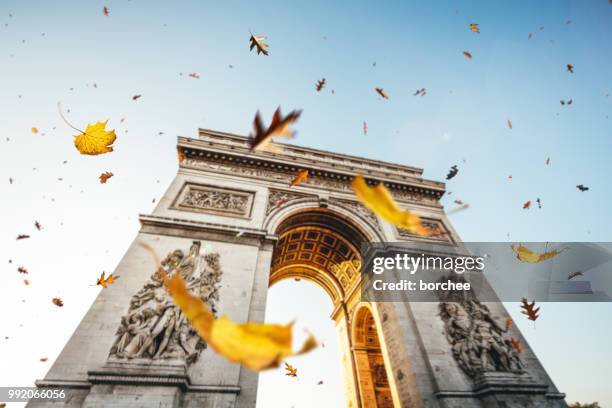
(276, 216)
(373, 376)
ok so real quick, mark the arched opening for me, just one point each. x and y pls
(322, 246)
(374, 387)
(320, 380)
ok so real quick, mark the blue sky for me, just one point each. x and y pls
(52, 51)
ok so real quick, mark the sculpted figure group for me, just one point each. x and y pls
(477, 340)
(154, 327)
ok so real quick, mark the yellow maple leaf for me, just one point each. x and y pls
(257, 346)
(35, 130)
(525, 254)
(95, 140)
(379, 200)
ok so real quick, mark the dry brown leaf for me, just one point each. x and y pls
(105, 281)
(509, 124)
(382, 93)
(261, 138)
(257, 42)
(300, 177)
(527, 205)
(529, 309)
(57, 302)
(474, 28)
(467, 54)
(34, 130)
(320, 85)
(291, 371)
(517, 345)
(22, 236)
(105, 176)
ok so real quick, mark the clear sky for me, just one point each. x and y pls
(56, 51)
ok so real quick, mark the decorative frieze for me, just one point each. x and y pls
(215, 200)
(277, 172)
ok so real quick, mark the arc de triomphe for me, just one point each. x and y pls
(134, 349)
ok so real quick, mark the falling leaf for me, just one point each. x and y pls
(452, 172)
(527, 205)
(509, 323)
(291, 371)
(37, 225)
(300, 177)
(382, 93)
(34, 130)
(548, 161)
(194, 75)
(458, 202)
(22, 269)
(529, 36)
(510, 177)
(467, 54)
(103, 281)
(95, 140)
(22, 236)
(320, 383)
(474, 28)
(136, 97)
(257, 346)
(570, 68)
(57, 302)
(105, 176)
(44, 359)
(379, 200)
(421, 92)
(509, 124)
(262, 48)
(320, 85)
(26, 282)
(105, 11)
(261, 138)
(516, 345)
(365, 128)
(525, 254)
(181, 155)
(582, 188)
(574, 275)
(529, 309)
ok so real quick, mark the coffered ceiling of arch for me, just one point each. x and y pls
(314, 249)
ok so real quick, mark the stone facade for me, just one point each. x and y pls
(240, 207)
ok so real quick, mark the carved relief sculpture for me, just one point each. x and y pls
(154, 327)
(210, 199)
(477, 340)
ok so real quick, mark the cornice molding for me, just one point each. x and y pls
(229, 154)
